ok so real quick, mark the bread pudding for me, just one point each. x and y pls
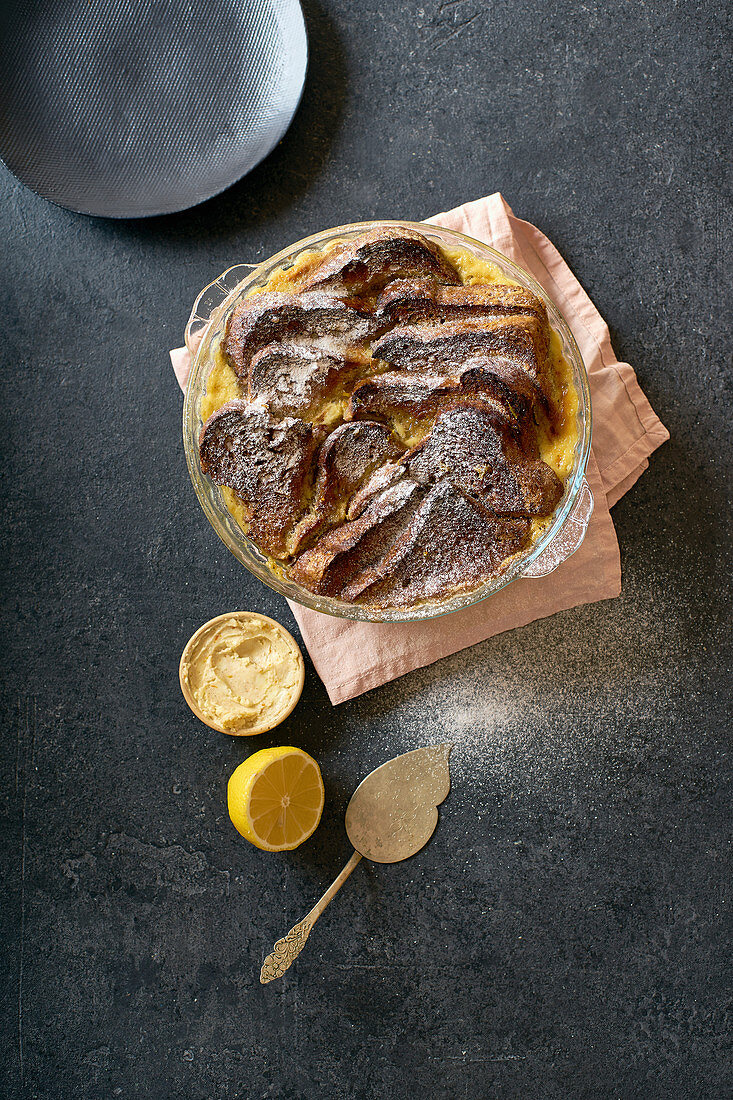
(391, 422)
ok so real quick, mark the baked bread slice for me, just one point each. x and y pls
(263, 319)
(443, 348)
(267, 463)
(291, 379)
(374, 484)
(412, 300)
(368, 262)
(448, 544)
(347, 457)
(328, 566)
(404, 394)
(469, 450)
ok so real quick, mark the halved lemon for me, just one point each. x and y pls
(275, 798)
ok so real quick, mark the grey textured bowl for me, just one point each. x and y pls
(127, 108)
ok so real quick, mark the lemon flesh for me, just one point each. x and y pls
(275, 798)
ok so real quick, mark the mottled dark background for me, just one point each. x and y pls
(563, 934)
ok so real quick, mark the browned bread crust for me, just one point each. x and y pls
(449, 543)
(481, 458)
(443, 347)
(412, 300)
(366, 264)
(374, 484)
(266, 462)
(410, 545)
(503, 390)
(521, 342)
(348, 456)
(265, 318)
(329, 565)
(292, 378)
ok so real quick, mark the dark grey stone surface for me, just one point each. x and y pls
(563, 933)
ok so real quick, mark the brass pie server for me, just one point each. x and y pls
(391, 816)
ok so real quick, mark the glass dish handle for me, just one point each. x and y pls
(209, 300)
(568, 538)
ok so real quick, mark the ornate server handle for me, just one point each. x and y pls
(287, 950)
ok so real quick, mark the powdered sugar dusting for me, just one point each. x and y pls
(538, 712)
(303, 352)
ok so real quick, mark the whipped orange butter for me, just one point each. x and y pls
(242, 673)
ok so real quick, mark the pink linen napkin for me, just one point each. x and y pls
(352, 657)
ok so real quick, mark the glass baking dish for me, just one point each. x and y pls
(205, 329)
